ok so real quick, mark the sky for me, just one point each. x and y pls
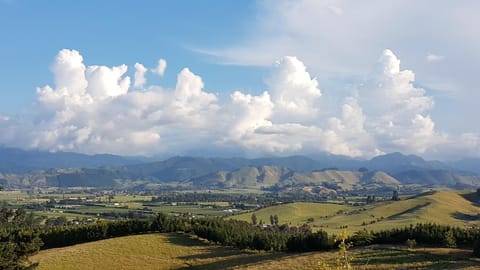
(248, 78)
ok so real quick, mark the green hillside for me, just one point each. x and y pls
(296, 213)
(149, 251)
(443, 207)
(173, 251)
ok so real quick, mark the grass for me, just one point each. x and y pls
(13, 196)
(204, 209)
(126, 203)
(150, 251)
(442, 207)
(369, 259)
(295, 213)
(69, 216)
(92, 211)
(131, 198)
(175, 251)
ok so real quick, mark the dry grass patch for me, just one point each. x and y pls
(373, 259)
(175, 251)
(149, 251)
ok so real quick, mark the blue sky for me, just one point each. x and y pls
(117, 32)
(258, 77)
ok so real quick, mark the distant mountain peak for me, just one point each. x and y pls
(18, 160)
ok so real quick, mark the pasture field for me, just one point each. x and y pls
(98, 205)
(455, 208)
(132, 198)
(200, 209)
(176, 251)
(296, 213)
(150, 251)
(13, 196)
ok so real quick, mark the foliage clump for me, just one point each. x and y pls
(449, 240)
(476, 248)
(411, 243)
(18, 239)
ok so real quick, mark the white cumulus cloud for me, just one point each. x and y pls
(293, 90)
(91, 109)
(104, 82)
(140, 71)
(161, 67)
(396, 110)
(69, 72)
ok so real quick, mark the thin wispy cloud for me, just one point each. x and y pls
(431, 57)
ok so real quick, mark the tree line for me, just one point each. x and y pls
(423, 233)
(242, 234)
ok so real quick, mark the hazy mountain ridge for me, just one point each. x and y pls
(391, 169)
(466, 164)
(14, 160)
(398, 162)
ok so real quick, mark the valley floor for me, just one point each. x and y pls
(176, 251)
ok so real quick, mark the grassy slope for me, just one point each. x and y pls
(151, 251)
(378, 259)
(295, 213)
(443, 207)
(171, 251)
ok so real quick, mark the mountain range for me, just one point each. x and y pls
(74, 169)
(14, 160)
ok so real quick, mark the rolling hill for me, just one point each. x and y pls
(173, 251)
(150, 251)
(454, 208)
